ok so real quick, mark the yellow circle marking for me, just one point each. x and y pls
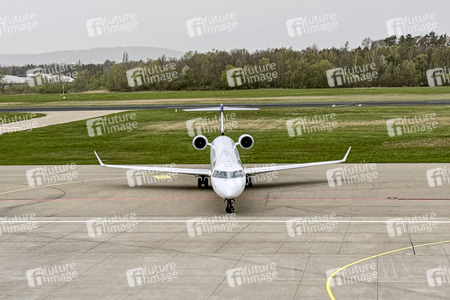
(330, 293)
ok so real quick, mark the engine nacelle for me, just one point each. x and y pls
(246, 141)
(200, 142)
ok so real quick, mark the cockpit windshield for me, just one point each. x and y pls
(226, 175)
(237, 174)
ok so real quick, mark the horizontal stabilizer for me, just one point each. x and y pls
(221, 108)
(215, 108)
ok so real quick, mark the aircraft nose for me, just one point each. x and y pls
(230, 193)
(230, 189)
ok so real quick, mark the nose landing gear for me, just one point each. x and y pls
(230, 207)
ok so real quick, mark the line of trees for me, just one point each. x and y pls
(400, 61)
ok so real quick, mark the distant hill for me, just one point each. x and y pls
(95, 55)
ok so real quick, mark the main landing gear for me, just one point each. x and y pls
(249, 181)
(230, 207)
(202, 182)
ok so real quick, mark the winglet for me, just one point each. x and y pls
(345, 157)
(99, 160)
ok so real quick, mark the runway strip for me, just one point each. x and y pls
(268, 105)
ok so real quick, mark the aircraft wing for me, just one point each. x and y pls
(258, 170)
(200, 172)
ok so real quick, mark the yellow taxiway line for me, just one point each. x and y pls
(330, 293)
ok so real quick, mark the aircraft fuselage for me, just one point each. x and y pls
(227, 175)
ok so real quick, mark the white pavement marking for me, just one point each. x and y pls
(223, 221)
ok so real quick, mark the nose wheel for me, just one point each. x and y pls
(230, 208)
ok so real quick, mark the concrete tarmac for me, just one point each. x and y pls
(291, 230)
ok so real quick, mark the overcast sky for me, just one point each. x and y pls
(256, 24)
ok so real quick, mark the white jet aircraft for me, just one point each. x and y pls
(228, 176)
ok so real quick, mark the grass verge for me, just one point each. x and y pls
(161, 137)
(401, 93)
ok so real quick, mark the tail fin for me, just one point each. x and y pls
(221, 108)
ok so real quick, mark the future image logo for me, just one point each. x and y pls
(262, 177)
(210, 125)
(311, 124)
(251, 74)
(149, 75)
(235, 77)
(311, 24)
(307, 225)
(413, 25)
(51, 175)
(142, 177)
(353, 274)
(111, 124)
(405, 225)
(209, 25)
(208, 225)
(252, 274)
(18, 224)
(438, 76)
(154, 274)
(438, 176)
(51, 274)
(438, 276)
(107, 225)
(16, 123)
(340, 76)
(409, 125)
(111, 24)
(18, 23)
(352, 174)
(55, 73)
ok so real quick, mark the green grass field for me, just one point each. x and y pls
(161, 137)
(259, 93)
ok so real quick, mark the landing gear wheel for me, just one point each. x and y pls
(205, 182)
(230, 208)
(199, 183)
